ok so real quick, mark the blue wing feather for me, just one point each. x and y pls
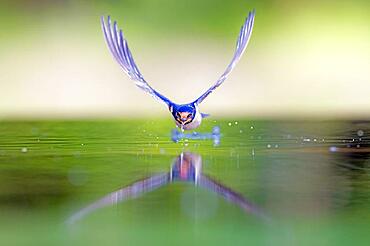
(241, 45)
(118, 46)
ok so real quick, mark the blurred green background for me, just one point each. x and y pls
(305, 57)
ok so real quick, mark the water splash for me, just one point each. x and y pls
(215, 135)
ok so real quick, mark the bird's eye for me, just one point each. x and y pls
(190, 115)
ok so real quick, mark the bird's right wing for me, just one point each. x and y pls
(118, 46)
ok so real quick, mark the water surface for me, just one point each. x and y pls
(124, 182)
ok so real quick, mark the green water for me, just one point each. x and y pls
(308, 183)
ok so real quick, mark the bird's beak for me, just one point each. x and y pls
(184, 117)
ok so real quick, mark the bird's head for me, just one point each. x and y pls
(183, 114)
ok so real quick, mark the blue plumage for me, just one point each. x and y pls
(187, 116)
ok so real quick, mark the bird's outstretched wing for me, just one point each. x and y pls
(242, 42)
(118, 46)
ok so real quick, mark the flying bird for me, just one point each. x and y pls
(186, 116)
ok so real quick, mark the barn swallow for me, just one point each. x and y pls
(186, 116)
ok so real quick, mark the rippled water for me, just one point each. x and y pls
(125, 182)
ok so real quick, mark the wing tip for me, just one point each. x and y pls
(252, 12)
(251, 15)
(102, 21)
(105, 19)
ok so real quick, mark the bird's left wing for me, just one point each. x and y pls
(241, 45)
(118, 46)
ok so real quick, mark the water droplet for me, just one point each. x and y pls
(241, 131)
(252, 127)
(229, 123)
(333, 149)
(269, 146)
(360, 133)
(235, 122)
(24, 150)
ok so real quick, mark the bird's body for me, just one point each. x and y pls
(195, 122)
(186, 116)
(190, 116)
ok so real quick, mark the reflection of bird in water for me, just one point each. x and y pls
(186, 168)
(187, 116)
